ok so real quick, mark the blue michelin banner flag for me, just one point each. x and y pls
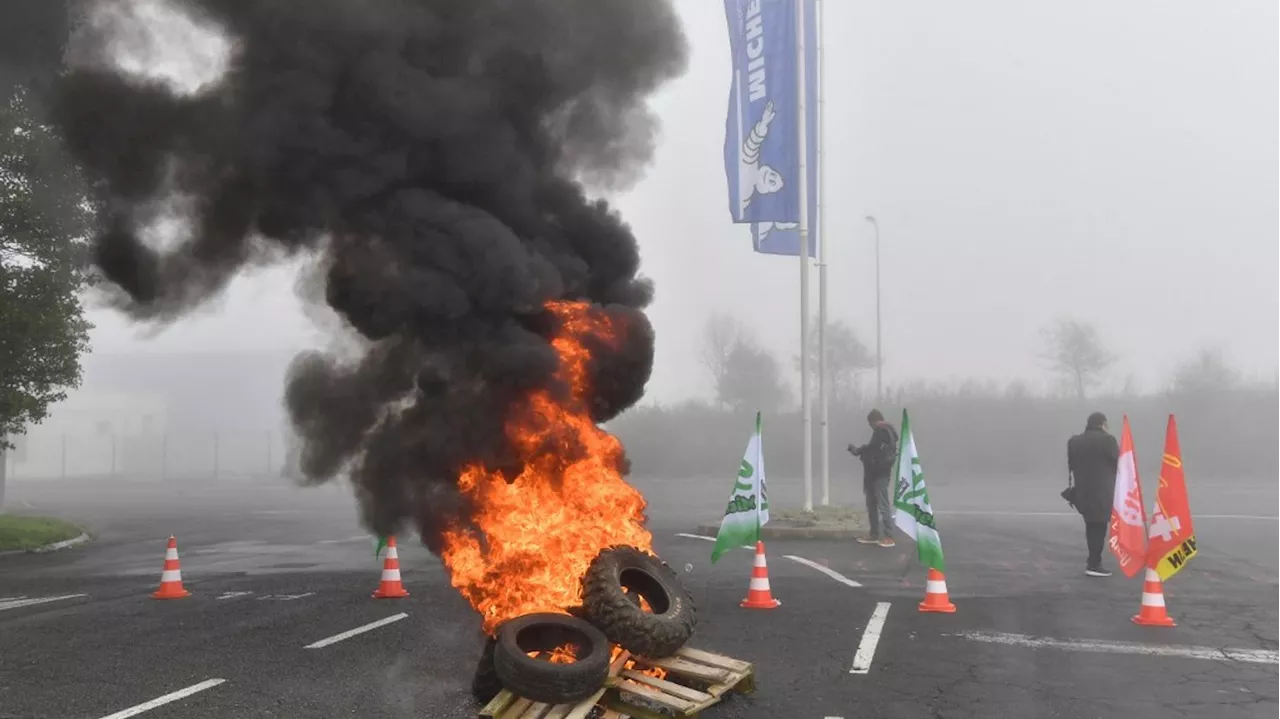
(762, 163)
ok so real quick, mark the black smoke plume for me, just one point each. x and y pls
(429, 152)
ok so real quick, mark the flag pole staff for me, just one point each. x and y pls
(824, 380)
(759, 458)
(806, 401)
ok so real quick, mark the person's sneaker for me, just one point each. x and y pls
(887, 542)
(866, 540)
(1097, 572)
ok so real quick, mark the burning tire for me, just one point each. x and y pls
(555, 681)
(486, 685)
(616, 577)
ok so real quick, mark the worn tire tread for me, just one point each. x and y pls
(618, 615)
(551, 683)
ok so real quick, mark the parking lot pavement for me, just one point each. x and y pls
(115, 649)
(1031, 637)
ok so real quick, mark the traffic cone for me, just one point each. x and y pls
(171, 577)
(935, 594)
(1152, 613)
(390, 587)
(758, 594)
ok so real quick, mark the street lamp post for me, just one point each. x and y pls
(879, 386)
(4, 466)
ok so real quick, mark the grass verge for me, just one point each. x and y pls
(22, 532)
(829, 514)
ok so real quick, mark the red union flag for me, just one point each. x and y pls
(1173, 539)
(1128, 517)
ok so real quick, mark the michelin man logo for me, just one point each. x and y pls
(754, 178)
(763, 229)
(758, 179)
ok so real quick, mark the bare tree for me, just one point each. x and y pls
(752, 380)
(1074, 351)
(745, 375)
(847, 359)
(719, 336)
(1205, 374)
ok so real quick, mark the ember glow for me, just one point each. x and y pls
(563, 654)
(566, 654)
(534, 535)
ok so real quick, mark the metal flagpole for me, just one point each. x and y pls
(759, 460)
(876, 225)
(824, 381)
(806, 402)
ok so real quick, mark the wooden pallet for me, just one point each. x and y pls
(695, 680)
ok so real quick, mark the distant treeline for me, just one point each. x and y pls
(970, 434)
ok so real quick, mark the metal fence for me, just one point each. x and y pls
(221, 454)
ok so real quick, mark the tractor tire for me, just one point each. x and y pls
(544, 681)
(610, 591)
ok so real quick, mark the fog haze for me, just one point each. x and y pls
(1038, 171)
(1113, 163)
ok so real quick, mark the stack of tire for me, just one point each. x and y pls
(611, 613)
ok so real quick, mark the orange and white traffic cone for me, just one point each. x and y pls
(1153, 613)
(171, 577)
(936, 598)
(390, 587)
(758, 594)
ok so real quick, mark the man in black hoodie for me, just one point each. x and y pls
(878, 457)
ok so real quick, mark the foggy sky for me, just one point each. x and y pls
(1114, 162)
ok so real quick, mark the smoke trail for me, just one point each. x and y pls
(428, 151)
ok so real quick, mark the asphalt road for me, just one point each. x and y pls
(274, 569)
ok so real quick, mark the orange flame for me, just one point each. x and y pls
(567, 654)
(563, 654)
(656, 672)
(535, 534)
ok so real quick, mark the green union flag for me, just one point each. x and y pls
(913, 513)
(748, 508)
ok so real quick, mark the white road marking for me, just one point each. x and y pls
(233, 595)
(870, 638)
(705, 538)
(25, 602)
(166, 699)
(358, 630)
(825, 570)
(357, 538)
(64, 544)
(284, 597)
(1251, 656)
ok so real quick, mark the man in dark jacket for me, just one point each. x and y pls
(1092, 457)
(878, 457)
